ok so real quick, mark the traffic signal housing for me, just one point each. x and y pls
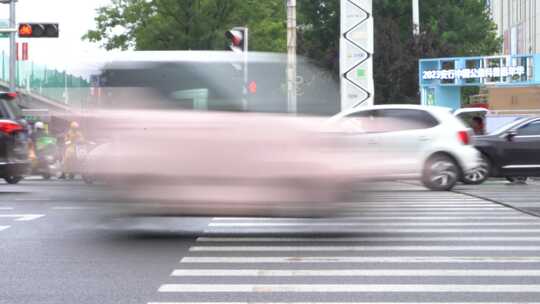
(39, 30)
(237, 39)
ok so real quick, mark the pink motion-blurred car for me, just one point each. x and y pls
(204, 163)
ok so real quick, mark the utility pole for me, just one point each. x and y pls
(292, 106)
(245, 103)
(12, 47)
(416, 17)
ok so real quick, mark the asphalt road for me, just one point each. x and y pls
(403, 245)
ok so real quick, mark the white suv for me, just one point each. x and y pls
(408, 141)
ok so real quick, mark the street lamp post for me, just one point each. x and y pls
(416, 17)
(292, 106)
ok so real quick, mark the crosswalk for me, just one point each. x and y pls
(400, 247)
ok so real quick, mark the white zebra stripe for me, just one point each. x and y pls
(353, 273)
(332, 288)
(332, 248)
(360, 259)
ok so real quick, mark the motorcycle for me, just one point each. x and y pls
(47, 162)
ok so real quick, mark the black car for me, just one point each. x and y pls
(14, 141)
(512, 151)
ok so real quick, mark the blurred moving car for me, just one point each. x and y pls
(14, 141)
(181, 163)
(178, 140)
(407, 141)
(512, 151)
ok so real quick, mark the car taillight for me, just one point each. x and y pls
(8, 95)
(464, 137)
(9, 127)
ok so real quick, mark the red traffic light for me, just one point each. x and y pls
(237, 37)
(252, 87)
(25, 30)
(38, 30)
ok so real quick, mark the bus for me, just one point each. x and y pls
(213, 81)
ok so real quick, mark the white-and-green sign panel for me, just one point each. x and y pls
(356, 61)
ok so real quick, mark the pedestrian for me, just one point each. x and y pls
(73, 138)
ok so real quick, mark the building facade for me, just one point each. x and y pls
(518, 23)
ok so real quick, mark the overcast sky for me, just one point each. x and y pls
(75, 18)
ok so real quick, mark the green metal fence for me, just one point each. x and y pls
(56, 85)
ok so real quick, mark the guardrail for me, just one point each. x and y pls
(57, 86)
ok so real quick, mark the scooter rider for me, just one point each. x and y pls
(39, 131)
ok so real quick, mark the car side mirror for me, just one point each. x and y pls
(510, 135)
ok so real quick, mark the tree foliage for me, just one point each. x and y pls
(187, 24)
(318, 31)
(449, 28)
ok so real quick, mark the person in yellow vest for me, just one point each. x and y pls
(73, 137)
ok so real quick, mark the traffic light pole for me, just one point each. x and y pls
(12, 47)
(292, 106)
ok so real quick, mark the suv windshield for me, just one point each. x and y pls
(9, 110)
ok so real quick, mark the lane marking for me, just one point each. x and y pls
(358, 259)
(22, 217)
(352, 273)
(446, 213)
(341, 303)
(405, 208)
(32, 199)
(71, 208)
(2, 228)
(382, 218)
(347, 288)
(416, 206)
(370, 239)
(528, 223)
(435, 230)
(360, 248)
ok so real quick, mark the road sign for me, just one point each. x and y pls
(4, 24)
(356, 56)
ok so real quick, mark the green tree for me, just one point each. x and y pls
(449, 28)
(187, 24)
(318, 32)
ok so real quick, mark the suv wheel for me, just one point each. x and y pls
(441, 173)
(480, 174)
(13, 179)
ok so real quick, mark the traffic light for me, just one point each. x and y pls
(237, 38)
(38, 30)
